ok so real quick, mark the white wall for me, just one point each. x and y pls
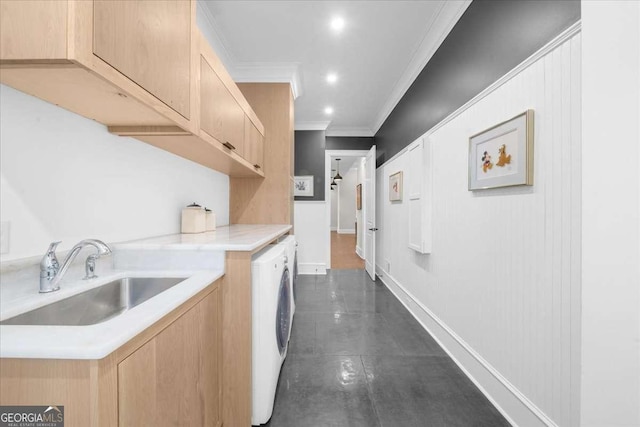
(501, 288)
(309, 227)
(347, 203)
(611, 212)
(64, 177)
(334, 208)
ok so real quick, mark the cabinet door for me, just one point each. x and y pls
(150, 43)
(221, 115)
(254, 144)
(174, 379)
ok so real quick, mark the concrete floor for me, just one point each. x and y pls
(358, 358)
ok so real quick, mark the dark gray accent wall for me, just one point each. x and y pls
(310, 146)
(349, 142)
(309, 159)
(489, 40)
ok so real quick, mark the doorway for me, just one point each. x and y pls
(347, 212)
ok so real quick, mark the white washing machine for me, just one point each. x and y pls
(292, 260)
(271, 326)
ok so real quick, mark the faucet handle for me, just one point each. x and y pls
(53, 246)
(49, 264)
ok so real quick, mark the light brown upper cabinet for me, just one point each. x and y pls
(254, 144)
(149, 42)
(141, 67)
(121, 63)
(225, 115)
(220, 114)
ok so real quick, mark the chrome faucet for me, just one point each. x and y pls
(51, 272)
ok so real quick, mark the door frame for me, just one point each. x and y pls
(328, 154)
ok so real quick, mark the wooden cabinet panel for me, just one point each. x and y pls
(270, 200)
(174, 379)
(220, 114)
(254, 144)
(149, 42)
(20, 20)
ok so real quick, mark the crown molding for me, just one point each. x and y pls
(311, 125)
(207, 24)
(441, 25)
(254, 72)
(363, 131)
(270, 72)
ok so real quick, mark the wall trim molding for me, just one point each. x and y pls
(424, 316)
(543, 51)
(346, 231)
(442, 24)
(359, 252)
(311, 125)
(249, 72)
(363, 131)
(312, 268)
(334, 228)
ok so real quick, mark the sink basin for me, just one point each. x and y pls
(98, 304)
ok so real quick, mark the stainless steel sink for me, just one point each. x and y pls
(98, 304)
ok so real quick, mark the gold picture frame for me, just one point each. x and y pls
(502, 156)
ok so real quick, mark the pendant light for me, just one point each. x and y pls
(337, 178)
(333, 183)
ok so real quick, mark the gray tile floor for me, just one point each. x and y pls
(358, 358)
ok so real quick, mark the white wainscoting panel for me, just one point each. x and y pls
(502, 280)
(310, 228)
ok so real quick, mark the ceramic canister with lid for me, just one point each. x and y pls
(193, 219)
(210, 220)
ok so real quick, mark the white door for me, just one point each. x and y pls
(369, 213)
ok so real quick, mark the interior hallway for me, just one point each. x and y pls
(343, 252)
(358, 358)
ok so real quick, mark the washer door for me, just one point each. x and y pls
(283, 313)
(295, 274)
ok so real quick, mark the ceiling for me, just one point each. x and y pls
(376, 56)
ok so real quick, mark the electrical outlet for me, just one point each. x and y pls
(4, 237)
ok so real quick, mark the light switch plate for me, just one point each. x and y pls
(4, 237)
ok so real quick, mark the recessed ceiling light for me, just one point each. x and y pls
(337, 24)
(332, 78)
(328, 111)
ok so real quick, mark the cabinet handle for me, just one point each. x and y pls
(257, 166)
(229, 145)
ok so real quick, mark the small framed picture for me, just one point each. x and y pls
(303, 186)
(395, 187)
(359, 197)
(502, 156)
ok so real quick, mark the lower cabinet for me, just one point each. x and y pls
(168, 375)
(174, 379)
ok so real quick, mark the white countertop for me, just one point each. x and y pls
(197, 257)
(239, 237)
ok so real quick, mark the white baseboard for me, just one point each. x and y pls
(334, 228)
(510, 401)
(359, 252)
(346, 231)
(312, 268)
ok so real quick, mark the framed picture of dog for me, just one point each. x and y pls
(502, 156)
